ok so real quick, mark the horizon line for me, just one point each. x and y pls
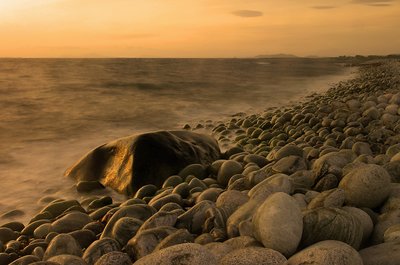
(273, 56)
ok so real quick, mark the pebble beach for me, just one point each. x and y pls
(314, 182)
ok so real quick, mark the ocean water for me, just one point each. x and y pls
(53, 111)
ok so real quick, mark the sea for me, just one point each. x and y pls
(54, 111)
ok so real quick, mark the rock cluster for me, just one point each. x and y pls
(315, 183)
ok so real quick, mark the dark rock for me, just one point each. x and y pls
(84, 237)
(71, 222)
(144, 159)
(124, 229)
(6, 234)
(88, 186)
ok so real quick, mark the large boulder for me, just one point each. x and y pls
(129, 163)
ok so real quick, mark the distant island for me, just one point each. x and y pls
(279, 55)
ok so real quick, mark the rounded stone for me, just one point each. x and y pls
(278, 223)
(25, 260)
(227, 170)
(231, 200)
(392, 233)
(62, 244)
(331, 224)
(188, 253)
(366, 185)
(327, 253)
(84, 237)
(114, 258)
(197, 170)
(289, 165)
(15, 226)
(289, 150)
(329, 198)
(71, 222)
(67, 260)
(124, 229)
(6, 234)
(253, 255)
(98, 248)
(364, 219)
(382, 254)
(180, 236)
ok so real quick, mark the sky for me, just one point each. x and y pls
(198, 28)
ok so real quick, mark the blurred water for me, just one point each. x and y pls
(53, 111)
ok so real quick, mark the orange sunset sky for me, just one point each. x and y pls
(197, 28)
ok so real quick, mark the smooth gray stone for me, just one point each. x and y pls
(167, 152)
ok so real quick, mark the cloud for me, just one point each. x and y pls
(247, 13)
(324, 7)
(378, 3)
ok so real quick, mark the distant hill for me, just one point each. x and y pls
(279, 55)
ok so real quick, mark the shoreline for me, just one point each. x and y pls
(356, 120)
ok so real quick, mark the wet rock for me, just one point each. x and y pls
(172, 181)
(98, 248)
(326, 253)
(331, 224)
(62, 244)
(278, 223)
(189, 253)
(168, 152)
(288, 150)
(385, 253)
(253, 255)
(114, 258)
(366, 186)
(95, 227)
